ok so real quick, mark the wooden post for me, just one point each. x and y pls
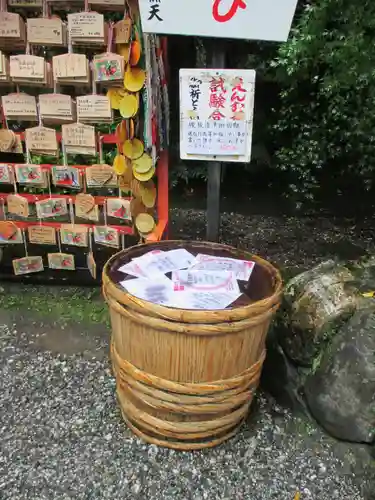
(214, 168)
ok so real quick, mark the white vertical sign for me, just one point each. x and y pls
(246, 19)
(216, 114)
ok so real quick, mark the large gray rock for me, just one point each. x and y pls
(341, 392)
(316, 303)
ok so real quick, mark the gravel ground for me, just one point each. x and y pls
(293, 243)
(62, 438)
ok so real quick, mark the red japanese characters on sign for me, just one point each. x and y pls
(238, 99)
(223, 18)
(217, 97)
(216, 123)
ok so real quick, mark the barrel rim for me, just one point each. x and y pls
(189, 315)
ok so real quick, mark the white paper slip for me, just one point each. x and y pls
(158, 291)
(191, 299)
(147, 256)
(242, 269)
(132, 269)
(205, 281)
(165, 262)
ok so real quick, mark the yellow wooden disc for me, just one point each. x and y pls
(133, 149)
(136, 207)
(119, 164)
(144, 223)
(142, 164)
(124, 51)
(144, 177)
(121, 131)
(135, 184)
(128, 106)
(134, 79)
(124, 186)
(125, 181)
(115, 96)
(148, 197)
(131, 128)
(138, 100)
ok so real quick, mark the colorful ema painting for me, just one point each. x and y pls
(53, 207)
(66, 176)
(75, 235)
(105, 235)
(108, 69)
(28, 265)
(6, 174)
(62, 261)
(119, 208)
(15, 238)
(29, 174)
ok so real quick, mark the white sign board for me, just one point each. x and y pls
(245, 19)
(216, 114)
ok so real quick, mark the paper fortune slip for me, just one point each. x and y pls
(242, 269)
(164, 262)
(205, 281)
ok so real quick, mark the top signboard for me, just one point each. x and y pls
(245, 19)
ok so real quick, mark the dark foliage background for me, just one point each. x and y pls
(315, 103)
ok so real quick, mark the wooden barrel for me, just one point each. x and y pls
(186, 378)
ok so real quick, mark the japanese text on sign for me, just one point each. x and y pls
(247, 19)
(216, 114)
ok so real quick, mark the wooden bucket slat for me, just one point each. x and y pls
(247, 378)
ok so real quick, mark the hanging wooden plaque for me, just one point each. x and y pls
(6, 174)
(4, 69)
(109, 67)
(15, 239)
(12, 31)
(91, 265)
(42, 235)
(123, 30)
(94, 108)
(63, 261)
(28, 265)
(8, 230)
(26, 4)
(100, 176)
(28, 69)
(79, 139)
(52, 207)
(42, 140)
(29, 174)
(106, 235)
(115, 5)
(74, 234)
(18, 205)
(66, 176)
(87, 28)
(86, 208)
(7, 140)
(56, 108)
(71, 69)
(20, 107)
(119, 208)
(48, 32)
